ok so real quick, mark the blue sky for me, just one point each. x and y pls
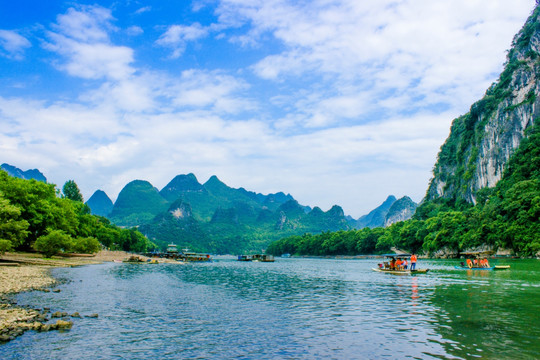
(333, 101)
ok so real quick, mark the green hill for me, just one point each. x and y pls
(138, 203)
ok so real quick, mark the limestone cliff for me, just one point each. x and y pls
(402, 209)
(482, 141)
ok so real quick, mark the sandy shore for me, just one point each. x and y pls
(32, 272)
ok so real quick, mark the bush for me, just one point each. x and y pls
(5, 245)
(54, 242)
(86, 245)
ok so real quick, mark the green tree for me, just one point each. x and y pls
(86, 245)
(54, 242)
(71, 191)
(13, 229)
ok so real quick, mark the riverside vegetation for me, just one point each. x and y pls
(36, 215)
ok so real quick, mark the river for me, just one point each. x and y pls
(289, 309)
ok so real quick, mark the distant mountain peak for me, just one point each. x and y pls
(100, 203)
(376, 217)
(214, 180)
(179, 185)
(28, 174)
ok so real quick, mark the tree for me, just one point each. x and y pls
(54, 242)
(13, 229)
(71, 191)
(86, 245)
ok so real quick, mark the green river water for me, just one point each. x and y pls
(289, 309)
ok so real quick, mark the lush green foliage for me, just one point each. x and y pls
(71, 191)
(54, 242)
(33, 216)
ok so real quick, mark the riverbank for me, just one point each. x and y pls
(28, 271)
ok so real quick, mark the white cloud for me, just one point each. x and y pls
(177, 36)
(134, 30)
(143, 10)
(81, 36)
(12, 44)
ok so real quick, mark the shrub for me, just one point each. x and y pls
(86, 245)
(54, 242)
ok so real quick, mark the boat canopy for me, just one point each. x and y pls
(397, 256)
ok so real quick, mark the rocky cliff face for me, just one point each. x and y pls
(376, 217)
(482, 141)
(401, 210)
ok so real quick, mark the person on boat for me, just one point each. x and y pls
(393, 264)
(486, 262)
(404, 264)
(399, 264)
(475, 262)
(469, 263)
(413, 262)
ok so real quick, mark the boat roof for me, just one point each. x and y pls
(401, 256)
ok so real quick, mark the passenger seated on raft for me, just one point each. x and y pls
(393, 264)
(399, 264)
(405, 264)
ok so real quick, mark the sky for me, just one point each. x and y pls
(333, 101)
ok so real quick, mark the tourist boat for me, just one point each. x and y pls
(496, 267)
(385, 266)
(479, 255)
(256, 258)
(263, 258)
(188, 256)
(245, 258)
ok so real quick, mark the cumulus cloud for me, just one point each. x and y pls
(177, 36)
(12, 45)
(382, 46)
(81, 37)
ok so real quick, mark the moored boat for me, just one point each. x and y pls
(134, 260)
(188, 256)
(263, 258)
(256, 258)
